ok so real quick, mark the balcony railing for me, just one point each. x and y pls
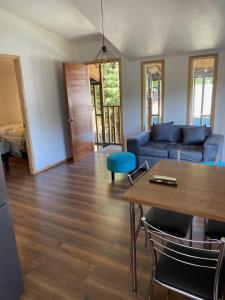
(112, 117)
(108, 130)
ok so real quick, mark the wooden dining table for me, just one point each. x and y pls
(200, 192)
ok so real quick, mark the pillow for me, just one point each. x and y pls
(194, 135)
(162, 132)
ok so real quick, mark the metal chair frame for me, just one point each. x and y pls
(158, 243)
(146, 165)
(139, 209)
(205, 219)
(216, 164)
(139, 206)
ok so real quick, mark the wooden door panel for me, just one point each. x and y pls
(82, 138)
(81, 112)
(82, 151)
(81, 130)
(78, 94)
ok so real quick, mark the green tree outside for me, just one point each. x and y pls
(111, 84)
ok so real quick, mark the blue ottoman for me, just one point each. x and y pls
(121, 162)
(213, 163)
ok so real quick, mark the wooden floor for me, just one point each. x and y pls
(72, 232)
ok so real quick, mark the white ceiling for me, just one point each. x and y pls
(58, 16)
(137, 28)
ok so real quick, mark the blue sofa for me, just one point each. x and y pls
(196, 144)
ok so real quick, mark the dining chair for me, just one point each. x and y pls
(190, 270)
(214, 229)
(177, 224)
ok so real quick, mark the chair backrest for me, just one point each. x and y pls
(189, 252)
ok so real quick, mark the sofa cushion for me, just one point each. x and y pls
(194, 135)
(178, 132)
(187, 152)
(156, 149)
(162, 132)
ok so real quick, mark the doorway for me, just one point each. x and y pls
(105, 85)
(14, 134)
(94, 107)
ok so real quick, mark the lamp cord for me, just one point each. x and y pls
(103, 32)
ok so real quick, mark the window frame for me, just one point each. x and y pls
(190, 88)
(143, 86)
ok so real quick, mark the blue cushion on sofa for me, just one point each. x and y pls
(194, 135)
(178, 132)
(156, 149)
(162, 132)
(188, 152)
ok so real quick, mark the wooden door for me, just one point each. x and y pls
(79, 103)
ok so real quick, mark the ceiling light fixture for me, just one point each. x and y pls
(104, 55)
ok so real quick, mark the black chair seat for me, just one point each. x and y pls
(215, 229)
(193, 280)
(176, 224)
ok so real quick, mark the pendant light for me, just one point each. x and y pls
(104, 55)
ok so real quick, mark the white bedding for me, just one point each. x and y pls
(13, 132)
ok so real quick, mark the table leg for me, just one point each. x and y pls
(113, 176)
(133, 247)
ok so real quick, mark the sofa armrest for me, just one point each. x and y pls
(212, 147)
(134, 143)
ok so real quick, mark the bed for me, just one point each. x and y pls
(13, 132)
(12, 141)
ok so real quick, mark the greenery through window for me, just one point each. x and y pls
(201, 93)
(111, 84)
(152, 93)
(105, 98)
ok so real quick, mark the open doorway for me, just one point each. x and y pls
(14, 139)
(106, 106)
(94, 106)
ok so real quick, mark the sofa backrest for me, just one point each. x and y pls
(177, 131)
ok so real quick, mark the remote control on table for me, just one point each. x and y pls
(164, 180)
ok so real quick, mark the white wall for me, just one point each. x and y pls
(176, 87)
(220, 98)
(10, 109)
(42, 55)
(132, 102)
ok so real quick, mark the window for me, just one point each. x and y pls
(202, 85)
(152, 92)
